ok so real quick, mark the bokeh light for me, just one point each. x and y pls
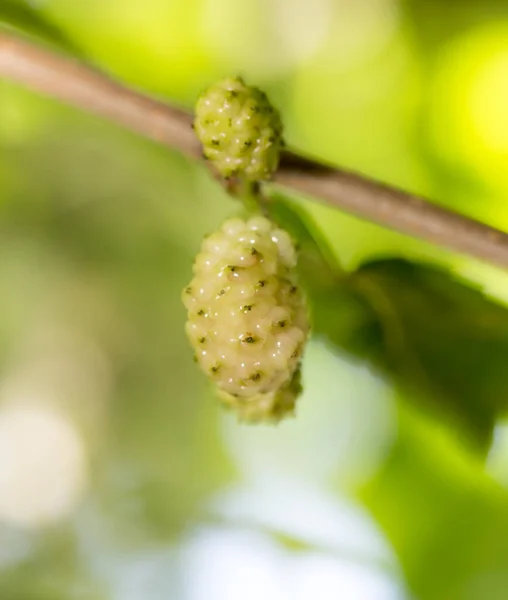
(241, 563)
(469, 94)
(43, 467)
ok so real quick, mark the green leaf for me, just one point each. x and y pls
(446, 519)
(317, 262)
(443, 339)
(24, 18)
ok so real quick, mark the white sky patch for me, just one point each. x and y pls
(311, 515)
(231, 564)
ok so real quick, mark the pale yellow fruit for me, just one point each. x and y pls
(247, 317)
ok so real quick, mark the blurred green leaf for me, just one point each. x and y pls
(317, 264)
(445, 518)
(53, 570)
(443, 339)
(26, 19)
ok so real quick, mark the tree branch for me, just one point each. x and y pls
(85, 88)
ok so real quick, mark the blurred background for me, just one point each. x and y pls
(120, 476)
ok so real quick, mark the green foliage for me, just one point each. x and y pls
(52, 572)
(443, 338)
(446, 519)
(19, 15)
(98, 240)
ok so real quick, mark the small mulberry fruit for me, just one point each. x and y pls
(241, 132)
(247, 319)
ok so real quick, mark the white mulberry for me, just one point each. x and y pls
(247, 319)
(241, 132)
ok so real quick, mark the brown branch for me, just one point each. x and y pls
(82, 87)
(395, 209)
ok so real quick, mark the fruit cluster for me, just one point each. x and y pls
(247, 318)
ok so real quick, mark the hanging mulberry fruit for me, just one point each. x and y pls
(247, 319)
(241, 132)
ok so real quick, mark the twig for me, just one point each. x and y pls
(85, 88)
(395, 209)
